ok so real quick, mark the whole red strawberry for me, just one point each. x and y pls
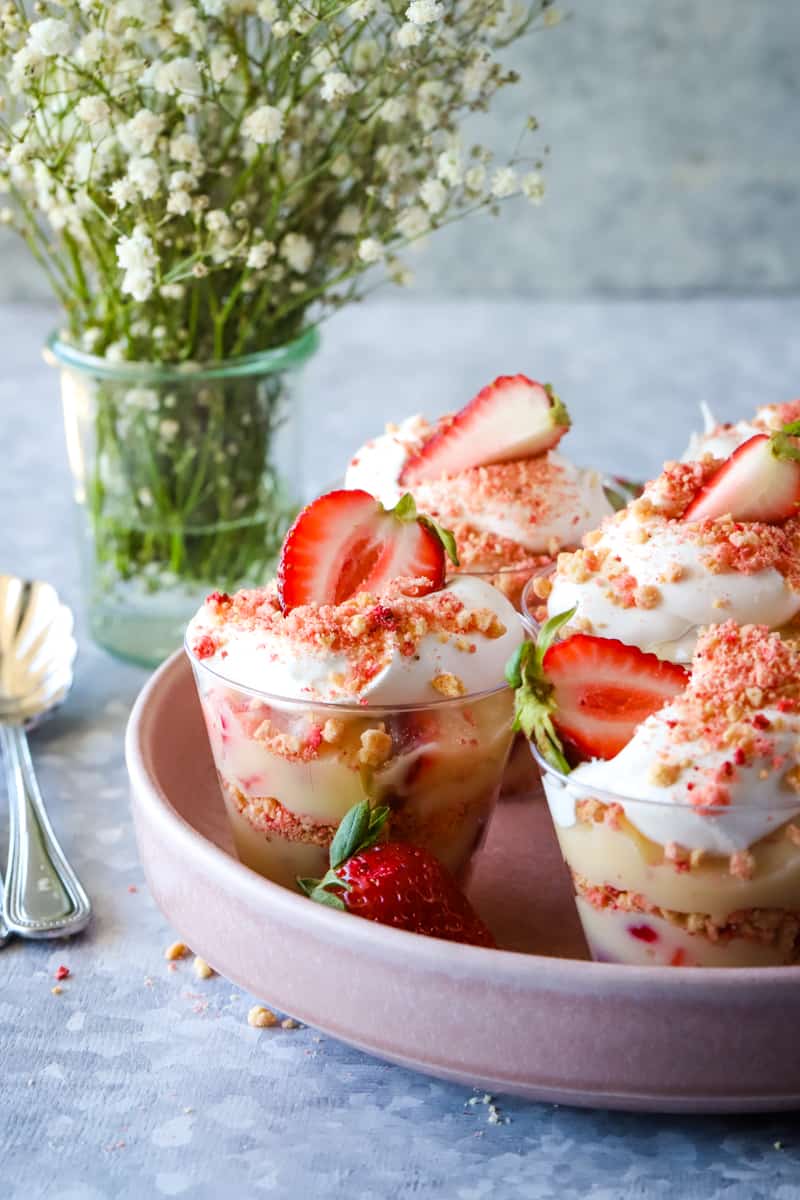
(394, 883)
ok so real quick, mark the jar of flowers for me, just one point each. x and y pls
(202, 182)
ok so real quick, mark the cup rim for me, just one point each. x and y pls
(349, 707)
(292, 355)
(532, 625)
(606, 796)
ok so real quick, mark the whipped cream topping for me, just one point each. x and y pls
(653, 580)
(393, 649)
(718, 768)
(721, 439)
(501, 514)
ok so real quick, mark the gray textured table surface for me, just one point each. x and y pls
(138, 1081)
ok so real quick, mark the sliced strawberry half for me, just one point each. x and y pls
(511, 418)
(602, 689)
(759, 482)
(346, 542)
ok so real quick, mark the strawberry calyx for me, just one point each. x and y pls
(406, 510)
(534, 699)
(783, 443)
(360, 828)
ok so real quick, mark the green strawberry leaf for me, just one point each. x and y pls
(533, 700)
(782, 445)
(360, 828)
(445, 536)
(559, 412)
(353, 828)
(406, 510)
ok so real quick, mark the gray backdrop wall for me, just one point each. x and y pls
(673, 168)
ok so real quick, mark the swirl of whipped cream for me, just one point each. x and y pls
(666, 814)
(716, 769)
(390, 650)
(653, 581)
(512, 509)
(721, 439)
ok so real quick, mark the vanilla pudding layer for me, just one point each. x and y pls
(618, 936)
(289, 774)
(603, 846)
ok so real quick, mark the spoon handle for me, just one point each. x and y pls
(44, 897)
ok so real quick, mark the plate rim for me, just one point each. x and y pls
(541, 972)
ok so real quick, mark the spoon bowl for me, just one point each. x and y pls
(43, 896)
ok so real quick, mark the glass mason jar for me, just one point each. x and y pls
(186, 478)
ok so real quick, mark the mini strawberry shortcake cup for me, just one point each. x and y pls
(707, 542)
(491, 474)
(361, 673)
(720, 439)
(675, 795)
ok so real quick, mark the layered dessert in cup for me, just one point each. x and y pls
(719, 439)
(360, 673)
(707, 542)
(493, 475)
(675, 795)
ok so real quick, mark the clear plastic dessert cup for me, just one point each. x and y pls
(290, 769)
(531, 603)
(652, 900)
(511, 581)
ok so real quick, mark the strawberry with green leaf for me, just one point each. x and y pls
(582, 697)
(393, 883)
(759, 482)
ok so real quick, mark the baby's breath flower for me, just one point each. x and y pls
(393, 110)
(408, 36)
(504, 183)
(123, 192)
(412, 222)
(221, 63)
(476, 74)
(145, 176)
(341, 166)
(141, 133)
(172, 291)
(281, 29)
(297, 251)
(263, 125)
(137, 257)
(475, 178)
(267, 9)
(302, 21)
(533, 187)
(336, 86)
(176, 77)
(433, 195)
(49, 38)
(184, 148)
(370, 250)
(259, 255)
(179, 203)
(169, 429)
(424, 12)
(361, 9)
(93, 110)
(186, 22)
(349, 221)
(448, 167)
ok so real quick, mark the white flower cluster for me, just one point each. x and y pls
(208, 169)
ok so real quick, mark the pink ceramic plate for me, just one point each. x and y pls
(535, 1018)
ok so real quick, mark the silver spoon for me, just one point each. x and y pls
(43, 896)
